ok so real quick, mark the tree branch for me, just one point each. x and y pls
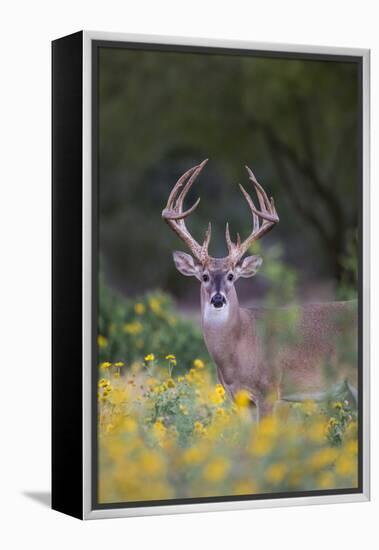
(305, 167)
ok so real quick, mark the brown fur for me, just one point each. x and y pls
(276, 352)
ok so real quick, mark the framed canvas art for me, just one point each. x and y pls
(210, 275)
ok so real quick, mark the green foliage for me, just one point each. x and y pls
(340, 414)
(293, 121)
(282, 278)
(347, 289)
(130, 329)
(175, 401)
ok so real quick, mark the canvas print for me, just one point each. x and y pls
(227, 360)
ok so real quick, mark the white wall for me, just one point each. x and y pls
(27, 28)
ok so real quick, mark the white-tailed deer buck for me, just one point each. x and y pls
(265, 351)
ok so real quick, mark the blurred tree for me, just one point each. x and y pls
(310, 126)
(294, 122)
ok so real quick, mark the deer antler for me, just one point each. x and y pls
(267, 214)
(174, 216)
(263, 219)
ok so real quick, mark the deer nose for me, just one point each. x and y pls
(218, 300)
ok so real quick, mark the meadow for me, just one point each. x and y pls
(166, 428)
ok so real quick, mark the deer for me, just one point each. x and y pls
(263, 351)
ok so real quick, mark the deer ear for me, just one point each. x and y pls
(186, 264)
(250, 266)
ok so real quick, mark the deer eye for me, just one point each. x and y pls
(205, 277)
(230, 277)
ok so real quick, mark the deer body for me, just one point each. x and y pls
(266, 352)
(251, 353)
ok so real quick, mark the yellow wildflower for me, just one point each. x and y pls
(106, 393)
(139, 308)
(198, 428)
(130, 425)
(245, 487)
(216, 470)
(133, 328)
(275, 473)
(220, 390)
(102, 342)
(193, 455)
(107, 390)
(159, 428)
(261, 445)
(172, 359)
(242, 398)
(218, 395)
(316, 432)
(155, 305)
(183, 409)
(151, 463)
(171, 383)
(198, 364)
(158, 389)
(268, 426)
(119, 396)
(119, 364)
(193, 376)
(351, 448)
(106, 365)
(310, 407)
(326, 480)
(346, 466)
(150, 357)
(322, 458)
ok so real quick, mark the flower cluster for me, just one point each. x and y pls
(164, 434)
(148, 325)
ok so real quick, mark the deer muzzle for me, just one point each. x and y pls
(218, 300)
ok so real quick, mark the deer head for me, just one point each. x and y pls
(217, 275)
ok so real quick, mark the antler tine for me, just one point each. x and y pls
(177, 186)
(267, 214)
(264, 214)
(254, 211)
(174, 216)
(262, 197)
(188, 185)
(229, 242)
(273, 208)
(232, 247)
(207, 239)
